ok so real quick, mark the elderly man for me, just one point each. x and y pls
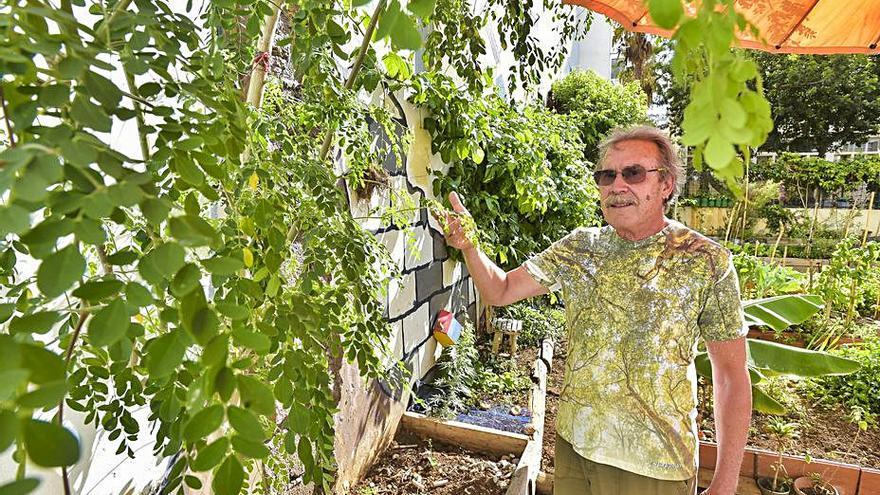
(639, 294)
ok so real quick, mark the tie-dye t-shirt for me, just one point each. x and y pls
(634, 313)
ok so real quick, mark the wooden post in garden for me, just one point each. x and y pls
(849, 219)
(730, 221)
(776, 244)
(868, 218)
(810, 240)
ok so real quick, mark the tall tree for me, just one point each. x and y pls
(638, 63)
(820, 103)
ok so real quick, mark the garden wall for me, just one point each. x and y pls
(430, 281)
(710, 220)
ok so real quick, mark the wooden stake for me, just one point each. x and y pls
(868, 218)
(776, 244)
(810, 239)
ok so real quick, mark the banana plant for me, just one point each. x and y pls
(773, 359)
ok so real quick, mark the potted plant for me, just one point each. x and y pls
(814, 484)
(782, 433)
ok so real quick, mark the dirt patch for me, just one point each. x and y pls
(826, 434)
(413, 465)
(554, 387)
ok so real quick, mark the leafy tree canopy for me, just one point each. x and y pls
(597, 106)
(820, 102)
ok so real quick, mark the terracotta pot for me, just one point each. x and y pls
(764, 485)
(804, 482)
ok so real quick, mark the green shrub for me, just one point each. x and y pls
(758, 279)
(519, 169)
(457, 376)
(539, 318)
(859, 389)
(597, 105)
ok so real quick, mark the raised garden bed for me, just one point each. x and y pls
(431, 455)
(416, 464)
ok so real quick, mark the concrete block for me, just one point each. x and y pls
(401, 295)
(428, 280)
(440, 301)
(416, 327)
(394, 241)
(451, 272)
(419, 249)
(440, 251)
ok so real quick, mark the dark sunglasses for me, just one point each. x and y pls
(632, 174)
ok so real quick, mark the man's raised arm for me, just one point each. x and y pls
(496, 287)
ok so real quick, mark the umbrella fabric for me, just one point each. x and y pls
(788, 26)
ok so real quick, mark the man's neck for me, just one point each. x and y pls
(642, 232)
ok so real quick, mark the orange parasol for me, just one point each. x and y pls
(788, 26)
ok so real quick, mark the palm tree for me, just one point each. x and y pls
(638, 59)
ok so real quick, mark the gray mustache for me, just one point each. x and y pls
(619, 200)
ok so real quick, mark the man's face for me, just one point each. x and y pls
(634, 207)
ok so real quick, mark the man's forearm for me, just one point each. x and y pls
(733, 412)
(491, 281)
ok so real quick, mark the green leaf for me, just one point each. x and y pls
(90, 115)
(666, 13)
(223, 265)
(216, 351)
(155, 210)
(58, 272)
(762, 402)
(192, 482)
(781, 312)
(249, 448)
(211, 455)
(138, 295)
(203, 423)
(8, 429)
(229, 477)
(162, 262)
(50, 445)
(719, 152)
(186, 280)
(405, 34)
(246, 337)
(422, 8)
(45, 366)
(103, 90)
(234, 312)
(20, 487)
(39, 322)
(90, 231)
(781, 359)
(11, 380)
(245, 423)
(14, 220)
(6, 311)
(192, 231)
(256, 395)
(95, 290)
(165, 354)
(47, 396)
(109, 324)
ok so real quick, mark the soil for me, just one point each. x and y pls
(412, 465)
(826, 434)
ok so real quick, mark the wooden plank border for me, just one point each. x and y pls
(524, 479)
(472, 437)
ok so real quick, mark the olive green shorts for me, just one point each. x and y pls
(575, 475)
